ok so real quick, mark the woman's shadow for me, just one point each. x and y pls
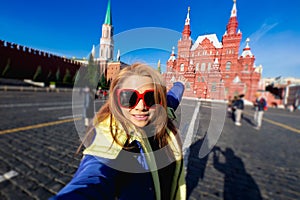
(196, 166)
(238, 184)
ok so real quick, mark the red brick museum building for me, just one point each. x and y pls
(213, 69)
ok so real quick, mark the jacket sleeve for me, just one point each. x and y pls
(93, 180)
(174, 95)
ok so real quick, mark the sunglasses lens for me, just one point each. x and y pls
(149, 98)
(128, 98)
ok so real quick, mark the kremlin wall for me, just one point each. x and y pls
(20, 62)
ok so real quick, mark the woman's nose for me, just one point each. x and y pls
(140, 105)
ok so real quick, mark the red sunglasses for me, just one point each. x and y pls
(129, 98)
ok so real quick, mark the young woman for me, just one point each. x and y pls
(134, 150)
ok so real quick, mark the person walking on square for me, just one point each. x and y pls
(87, 95)
(239, 106)
(232, 108)
(259, 106)
(133, 151)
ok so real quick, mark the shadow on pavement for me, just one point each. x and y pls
(238, 184)
(196, 167)
(249, 121)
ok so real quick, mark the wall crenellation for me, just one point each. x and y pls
(34, 51)
(22, 62)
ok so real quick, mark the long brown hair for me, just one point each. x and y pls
(111, 108)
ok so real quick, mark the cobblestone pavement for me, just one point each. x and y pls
(37, 161)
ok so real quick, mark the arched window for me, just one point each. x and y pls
(182, 67)
(245, 89)
(208, 66)
(199, 79)
(188, 85)
(197, 67)
(214, 86)
(246, 67)
(106, 52)
(202, 67)
(228, 65)
(173, 79)
(226, 91)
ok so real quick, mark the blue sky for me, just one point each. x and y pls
(70, 28)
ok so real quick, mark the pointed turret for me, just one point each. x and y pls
(187, 20)
(185, 44)
(247, 58)
(186, 33)
(106, 41)
(172, 57)
(231, 42)
(108, 18)
(233, 23)
(233, 10)
(171, 64)
(247, 50)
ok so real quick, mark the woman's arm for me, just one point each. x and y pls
(175, 94)
(93, 180)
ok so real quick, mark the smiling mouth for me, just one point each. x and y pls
(141, 117)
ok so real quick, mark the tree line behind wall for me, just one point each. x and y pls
(19, 62)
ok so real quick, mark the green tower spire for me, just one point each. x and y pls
(108, 18)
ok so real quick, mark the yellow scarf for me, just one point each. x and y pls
(104, 146)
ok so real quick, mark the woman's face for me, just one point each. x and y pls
(136, 94)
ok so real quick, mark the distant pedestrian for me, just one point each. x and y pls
(259, 106)
(105, 94)
(239, 107)
(232, 108)
(86, 100)
(296, 103)
(88, 105)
